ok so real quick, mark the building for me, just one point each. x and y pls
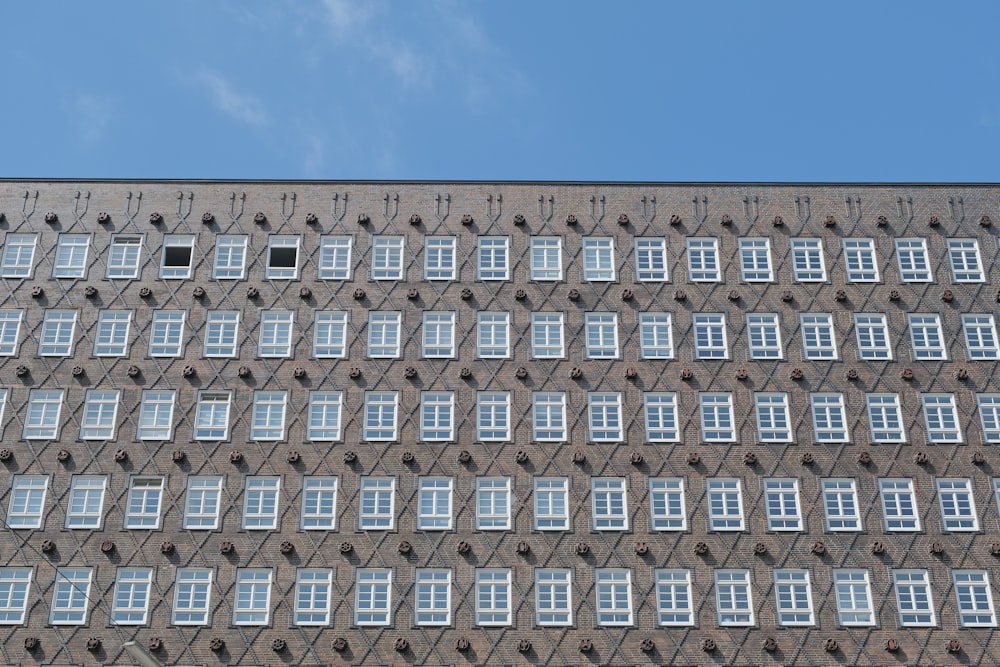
(327, 423)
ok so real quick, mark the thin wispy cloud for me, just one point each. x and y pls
(226, 99)
(92, 115)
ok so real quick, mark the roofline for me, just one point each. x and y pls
(924, 184)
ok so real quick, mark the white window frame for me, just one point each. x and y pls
(980, 332)
(435, 503)
(717, 421)
(377, 503)
(432, 597)
(440, 258)
(755, 260)
(660, 417)
(674, 606)
(10, 331)
(725, 504)
(26, 503)
(437, 416)
(874, 340)
(319, 503)
(704, 264)
(941, 418)
(900, 513)
(764, 336)
(598, 255)
(914, 598)
(493, 503)
(553, 597)
(885, 419)
(42, 418)
(733, 598)
(156, 415)
(604, 417)
(809, 265)
(913, 260)
(18, 258)
(269, 413)
(493, 253)
(609, 503)
(819, 337)
(15, 587)
(613, 595)
(548, 339)
(493, 419)
(212, 415)
(313, 595)
(381, 416)
(325, 416)
(203, 502)
(860, 260)
(387, 258)
(601, 335)
(656, 336)
(280, 244)
(773, 417)
(667, 504)
(124, 254)
(957, 501)
(111, 338)
(58, 335)
(853, 593)
(384, 334)
(230, 261)
(551, 503)
(222, 334)
(492, 335)
(966, 262)
(100, 414)
(71, 256)
(829, 417)
(841, 510)
(546, 258)
(494, 607)
(783, 504)
(144, 503)
(177, 269)
(276, 334)
(335, 257)
(927, 337)
(651, 261)
(330, 334)
(261, 502)
(989, 416)
(192, 596)
(710, 339)
(71, 596)
(438, 339)
(166, 333)
(373, 597)
(548, 417)
(252, 596)
(974, 599)
(793, 598)
(85, 502)
(130, 601)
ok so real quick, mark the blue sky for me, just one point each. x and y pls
(512, 90)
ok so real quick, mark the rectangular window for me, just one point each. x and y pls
(85, 505)
(324, 415)
(829, 422)
(387, 258)
(383, 334)
(958, 506)
(156, 415)
(439, 335)
(547, 336)
(840, 502)
(42, 420)
(319, 503)
(334, 258)
(609, 503)
(439, 258)
(975, 599)
(854, 597)
(613, 590)
(494, 258)
(656, 337)
(312, 596)
(282, 257)
(100, 409)
(546, 258)
(553, 597)
(10, 330)
(56, 339)
(784, 512)
(862, 266)
(551, 503)
(268, 415)
(602, 335)
(914, 264)
(377, 502)
(807, 260)
(201, 506)
(432, 595)
(493, 335)
(660, 412)
(966, 263)
(14, 585)
(673, 598)
(651, 260)
(330, 334)
(773, 423)
(927, 337)
(123, 257)
(18, 256)
(373, 597)
(26, 508)
(275, 333)
(667, 506)
(989, 416)
(493, 503)
(252, 605)
(192, 596)
(725, 504)
(212, 415)
(755, 261)
(260, 503)
(493, 416)
(598, 259)
(111, 336)
(941, 418)
(980, 337)
(764, 336)
(548, 416)
(732, 598)
(380, 415)
(145, 499)
(872, 331)
(177, 256)
(434, 503)
(710, 336)
(71, 256)
(703, 260)
(604, 417)
(71, 596)
(913, 598)
(166, 336)
(818, 336)
(131, 596)
(884, 418)
(899, 505)
(716, 411)
(793, 595)
(230, 257)
(221, 331)
(493, 597)
(437, 415)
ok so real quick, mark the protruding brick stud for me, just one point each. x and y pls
(31, 643)
(750, 459)
(107, 546)
(178, 456)
(894, 295)
(359, 294)
(524, 646)
(851, 374)
(401, 644)
(93, 643)
(6, 454)
(786, 296)
(571, 220)
(796, 374)
(286, 547)
(189, 371)
(680, 295)
(582, 548)
(937, 548)
(339, 644)
(954, 646)
(155, 218)
(467, 220)
(462, 644)
(346, 547)
(312, 219)
(519, 220)
(623, 219)
(412, 294)
(881, 221)
(985, 221)
(207, 218)
(627, 295)
(404, 547)
(51, 217)
(415, 220)
(585, 646)
(818, 548)
(37, 291)
(636, 458)
(576, 373)
(22, 371)
(693, 458)
(641, 548)
(350, 456)
(305, 293)
(840, 295)
(631, 373)
(104, 217)
(363, 219)
(647, 645)
(166, 547)
(947, 296)
(760, 548)
(978, 459)
(523, 548)
(145, 292)
(891, 645)
(878, 548)
(770, 644)
(293, 456)
(154, 644)
(354, 373)
(733, 295)
(829, 221)
(520, 295)
(701, 548)
(410, 372)
(726, 220)
(121, 455)
(742, 374)
(579, 457)
(675, 220)
(864, 458)
(778, 221)
(521, 372)
(687, 374)
(708, 645)
(466, 294)
(933, 221)
(227, 547)
(78, 371)
(521, 456)
(48, 546)
(216, 644)
(278, 645)
(90, 292)
(464, 456)
(463, 547)
(920, 458)
(407, 457)
(299, 372)
(831, 645)
(573, 295)
(235, 456)
(807, 459)
(259, 217)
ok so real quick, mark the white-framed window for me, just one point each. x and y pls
(872, 331)
(651, 260)
(975, 599)
(42, 419)
(716, 412)
(493, 503)
(604, 417)
(989, 416)
(387, 258)
(725, 504)
(383, 334)
(546, 258)
(733, 601)
(958, 505)
(493, 416)
(548, 416)
(230, 257)
(551, 503)
(609, 503)
(432, 596)
(899, 505)
(755, 261)
(656, 338)
(325, 416)
(493, 597)
(494, 258)
(111, 336)
(192, 596)
(673, 598)
(381, 408)
(862, 264)
(330, 334)
(703, 260)
(793, 595)
(966, 263)
(914, 263)
(547, 336)
(275, 333)
(598, 259)
(130, 605)
(980, 337)
(439, 257)
(613, 590)
(941, 418)
(434, 503)
(819, 340)
(764, 336)
(377, 503)
(282, 257)
(144, 502)
(166, 335)
(660, 415)
(926, 336)
(373, 596)
(602, 335)
(15, 583)
(26, 506)
(177, 256)
(10, 331)
(335, 258)
(884, 418)
(71, 596)
(3, 405)
(807, 261)
(123, 256)
(319, 503)
(854, 597)
(221, 333)
(156, 415)
(829, 420)
(553, 596)
(840, 505)
(667, 505)
(71, 256)
(493, 335)
(268, 415)
(710, 336)
(202, 502)
(913, 598)
(312, 596)
(252, 605)
(18, 257)
(784, 512)
(437, 415)
(212, 415)
(56, 339)
(85, 504)
(260, 502)
(439, 335)
(100, 409)
(773, 422)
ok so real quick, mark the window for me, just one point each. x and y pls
(201, 507)
(439, 258)
(3, 404)
(667, 507)
(553, 597)
(783, 510)
(275, 333)
(613, 589)
(330, 334)
(980, 337)
(651, 260)
(546, 258)
(268, 415)
(547, 335)
(312, 596)
(335, 258)
(253, 597)
(282, 258)
(828, 417)
(793, 595)
(660, 412)
(818, 339)
(131, 597)
(26, 508)
(840, 502)
(884, 418)
(710, 336)
(604, 417)
(940, 418)
(873, 336)
(549, 416)
(373, 597)
(493, 599)
(493, 416)
(99, 411)
(260, 503)
(387, 258)
(324, 415)
(439, 335)
(230, 257)
(716, 412)
(166, 337)
(493, 335)
(602, 335)
(656, 338)
(725, 504)
(145, 497)
(609, 504)
(383, 334)
(598, 259)
(494, 258)
(85, 506)
(192, 595)
(319, 503)
(156, 415)
(437, 415)
(42, 420)
(807, 260)
(10, 329)
(966, 264)
(764, 336)
(673, 597)
(913, 598)
(377, 498)
(221, 330)
(71, 596)
(958, 506)
(177, 256)
(859, 254)
(732, 597)
(703, 260)
(773, 424)
(71, 256)
(854, 597)
(551, 503)
(432, 595)
(123, 257)
(926, 336)
(434, 503)
(755, 261)
(899, 505)
(111, 337)
(18, 256)
(380, 415)
(14, 585)
(914, 264)
(493, 503)
(989, 416)
(56, 339)
(212, 415)
(975, 601)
